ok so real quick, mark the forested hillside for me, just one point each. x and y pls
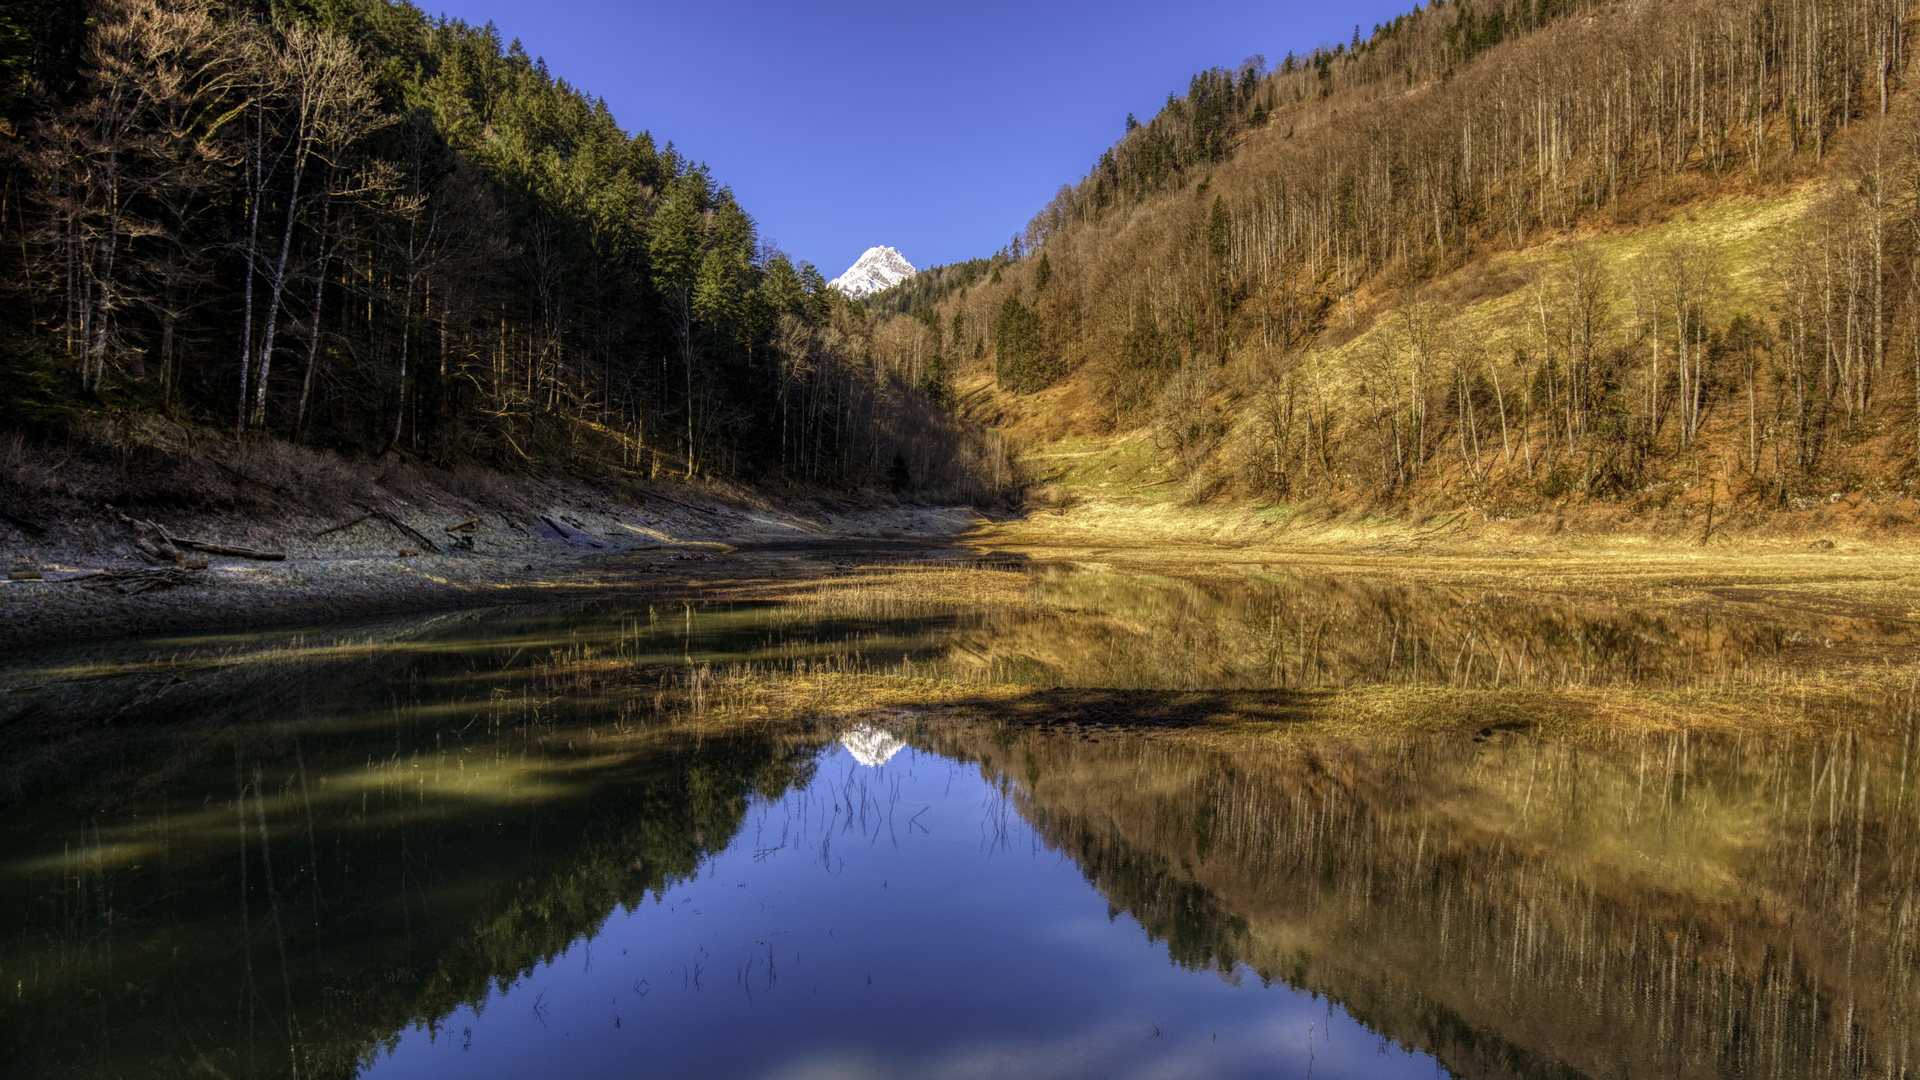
(1503, 253)
(348, 225)
(1500, 253)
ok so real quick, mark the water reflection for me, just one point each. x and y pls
(271, 902)
(280, 853)
(888, 921)
(871, 746)
(1129, 631)
(1648, 906)
(510, 884)
(1084, 628)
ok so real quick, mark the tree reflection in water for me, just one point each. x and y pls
(1672, 905)
(310, 844)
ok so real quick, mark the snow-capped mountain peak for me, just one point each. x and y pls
(880, 268)
(870, 746)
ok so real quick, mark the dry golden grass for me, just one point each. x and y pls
(1138, 616)
(873, 587)
(843, 692)
(714, 704)
(1870, 593)
(1878, 576)
(1714, 491)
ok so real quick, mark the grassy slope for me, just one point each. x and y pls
(1078, 462)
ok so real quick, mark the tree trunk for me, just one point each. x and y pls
(400, 395)
(313, 347)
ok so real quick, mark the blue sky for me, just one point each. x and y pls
(938, 128)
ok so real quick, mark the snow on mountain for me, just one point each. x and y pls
(871, 746)
(880, 268)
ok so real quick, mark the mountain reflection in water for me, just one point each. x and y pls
(378, 848)
(889, 921)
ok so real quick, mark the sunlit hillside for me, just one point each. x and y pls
(1637, 259)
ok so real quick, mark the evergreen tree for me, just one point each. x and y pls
(1017, 342)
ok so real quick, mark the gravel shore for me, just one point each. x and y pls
(567, 541)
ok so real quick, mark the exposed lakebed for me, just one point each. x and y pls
(498, 843)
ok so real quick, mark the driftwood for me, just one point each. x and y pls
(135, 582)
(169, 548)
(405, 528)
(347, 524)
(152, 552)
(157, 551)
(565, 535)
(179, 543)
(462, 533)
(228, 549)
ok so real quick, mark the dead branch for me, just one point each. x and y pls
(230, 550)
(566, 535)
(170, 548)
(244, 478)
(348, 524)
(405, 528)
(150, 551)
(135, 582)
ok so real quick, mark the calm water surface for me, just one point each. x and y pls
(485, 844)
(886, 920)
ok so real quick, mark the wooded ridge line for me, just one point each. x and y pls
(1503, 253)
(361, 229)
(1506, 254)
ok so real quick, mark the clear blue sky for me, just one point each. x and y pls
(938, 128)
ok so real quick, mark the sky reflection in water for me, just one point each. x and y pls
(891, 921)
(286, 853)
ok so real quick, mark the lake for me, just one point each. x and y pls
(622, 840)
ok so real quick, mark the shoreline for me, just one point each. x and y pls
(1827, 632)
(584, 544)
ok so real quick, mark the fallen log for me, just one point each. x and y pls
(150, 551)
(172, 548)
(244, 478)
(464, 526)
(348, 524)
(135, 582)
(163, 552)
(568, 536)
(405, 528)
(228, 549)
